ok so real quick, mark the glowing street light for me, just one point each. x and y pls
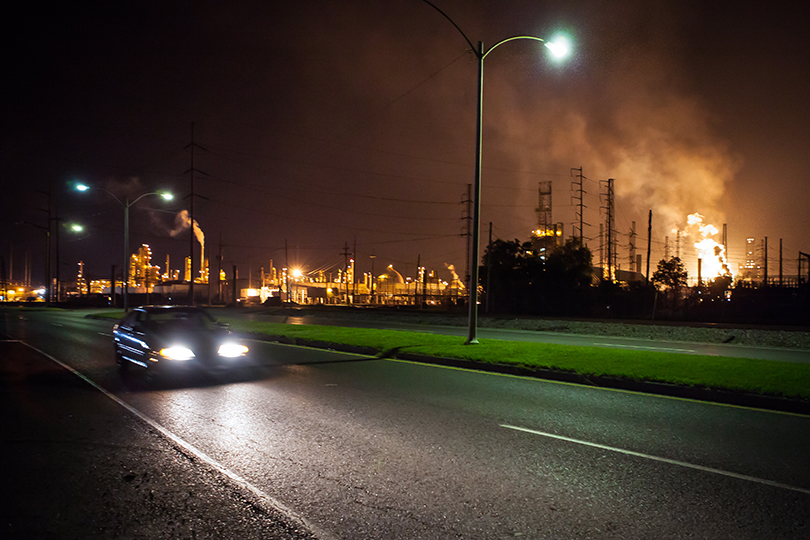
(126, 204)
(560, 48)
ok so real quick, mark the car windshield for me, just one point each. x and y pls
(180, 318)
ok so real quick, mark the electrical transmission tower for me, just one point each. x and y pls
(610, 225)
(578, 200)
(466, 217)
(632, 248)
(193, 171)
(544, 223)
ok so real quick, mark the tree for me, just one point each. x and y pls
(518, 279)
(570, 265)
(670, 274)
(513, 268)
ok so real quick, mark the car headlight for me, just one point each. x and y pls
(177, 352)
(232, 350)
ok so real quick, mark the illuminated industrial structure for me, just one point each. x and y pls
(321, 286)
(751, 270)
(548, 234)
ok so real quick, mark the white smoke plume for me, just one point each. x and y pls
(456, 281)
(182, 223)
(634, 118)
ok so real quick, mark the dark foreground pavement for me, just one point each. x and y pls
(77, 464)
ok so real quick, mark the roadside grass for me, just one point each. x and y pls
(734, 374)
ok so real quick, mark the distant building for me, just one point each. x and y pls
(751, 270)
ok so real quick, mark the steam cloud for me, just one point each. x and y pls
(182, 222)
(456, 280)
(634, 118)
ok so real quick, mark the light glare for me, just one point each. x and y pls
(560, 47)
(177, 352)
(232, 350)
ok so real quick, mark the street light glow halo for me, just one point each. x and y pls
(560, 47)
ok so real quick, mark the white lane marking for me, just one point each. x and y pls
(104, 334)
(188, 447)
(671, 349)
(662, 459)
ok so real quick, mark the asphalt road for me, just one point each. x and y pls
(366, 448)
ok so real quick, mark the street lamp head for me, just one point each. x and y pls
(75, 227)
(560, 47)
(82, 187)
(166, 195)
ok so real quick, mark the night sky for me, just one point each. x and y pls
(321, 123)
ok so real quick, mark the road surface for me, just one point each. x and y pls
(365, 448)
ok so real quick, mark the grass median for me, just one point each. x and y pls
(764, 377)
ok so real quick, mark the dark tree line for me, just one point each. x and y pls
(518, 279)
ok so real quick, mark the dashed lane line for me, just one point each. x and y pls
(661, 459)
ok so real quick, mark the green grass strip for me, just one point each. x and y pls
(734, 374)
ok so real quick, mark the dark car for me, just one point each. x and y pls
(169, 338)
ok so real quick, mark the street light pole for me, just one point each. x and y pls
(472, 295)
(559, 50)
(126, 204)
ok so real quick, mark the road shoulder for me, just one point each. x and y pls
(78, 465)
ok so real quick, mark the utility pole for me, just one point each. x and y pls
(354, 270)
(346, 268)
(219, 270)
(780, 262)
(609, 225)
(489, 269)
(235, 286)
(602, 248)
(372, 257)
(765, 262)
(649, 245)
(112, 285)
(191, 224)
(287, 264)
(416, 281)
